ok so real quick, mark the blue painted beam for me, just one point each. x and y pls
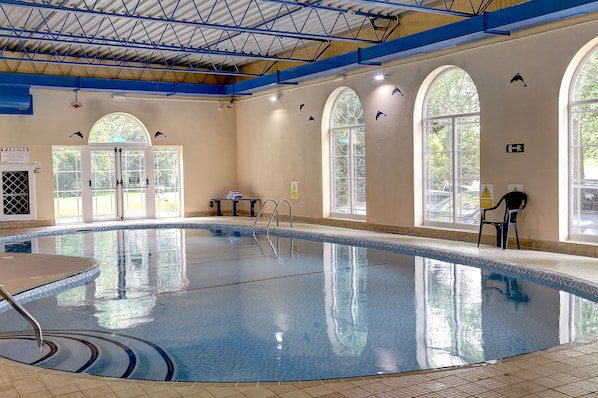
(110, 85)
(534, 13)
(14, 98)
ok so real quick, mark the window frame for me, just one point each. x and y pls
(454, 200)
(576, 153)
(354, 211)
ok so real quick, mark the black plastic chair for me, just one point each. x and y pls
(515, 202)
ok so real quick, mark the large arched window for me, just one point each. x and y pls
(451, 150)
(583, 146)
(347, 157)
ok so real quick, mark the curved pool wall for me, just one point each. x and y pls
(53, 288)
(578, 287)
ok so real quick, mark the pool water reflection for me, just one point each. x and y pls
(198, 305)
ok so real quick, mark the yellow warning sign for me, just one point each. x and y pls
(486, 197)
(294, 190)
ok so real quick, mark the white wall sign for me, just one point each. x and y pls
(14, 155)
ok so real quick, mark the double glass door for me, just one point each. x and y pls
(118, 183)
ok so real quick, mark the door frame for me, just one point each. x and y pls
(87, 196)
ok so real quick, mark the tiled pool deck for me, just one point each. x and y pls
(566, 371)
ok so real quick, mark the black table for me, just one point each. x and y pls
(235, 201)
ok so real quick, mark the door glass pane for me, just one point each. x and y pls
(103, 184)
(134, 182)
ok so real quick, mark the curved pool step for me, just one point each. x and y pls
(92, 352)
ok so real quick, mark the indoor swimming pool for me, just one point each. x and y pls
(218, 303)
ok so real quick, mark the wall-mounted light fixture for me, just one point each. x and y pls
(379, 77)
(219, 105)
(274, 98)
(159, 133)
(231, 103)
(76, 103)
(78, 134)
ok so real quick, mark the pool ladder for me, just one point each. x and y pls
(274, 213)
(25, 314)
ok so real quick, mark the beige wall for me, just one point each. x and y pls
(275, 146)
(206, 135)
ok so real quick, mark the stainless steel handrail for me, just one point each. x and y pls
(259, 214)
(25, 314)
(275, 212)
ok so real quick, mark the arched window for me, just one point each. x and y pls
(583, 146)
(451, 150)
(347, 157)
(118, 127)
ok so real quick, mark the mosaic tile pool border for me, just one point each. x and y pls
(579, 287)
(53, 288)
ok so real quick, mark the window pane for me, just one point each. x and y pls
(340, 141)
(66, 165)
(347, 110)
(586, 87)
(584, 152)
(166, 182)
(117, 127)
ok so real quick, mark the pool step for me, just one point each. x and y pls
(94, 352)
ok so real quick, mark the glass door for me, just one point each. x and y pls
(118, 183)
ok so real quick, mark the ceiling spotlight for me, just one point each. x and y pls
(219, 105)
(159, 133)
(231, 103)
(78, 134)
(379, 77)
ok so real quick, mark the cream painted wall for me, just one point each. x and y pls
(206, 135)
(275, 146)
(260, 147)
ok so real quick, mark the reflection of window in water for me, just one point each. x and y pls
(449, 314)
(145, 260)
(578, 318)
(345, 270)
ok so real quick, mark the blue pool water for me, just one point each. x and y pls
(223, 305)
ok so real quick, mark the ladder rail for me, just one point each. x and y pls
(259, 214)
(276, 213)
(25, 314)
